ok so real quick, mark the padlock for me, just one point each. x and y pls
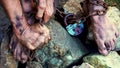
(74, 29)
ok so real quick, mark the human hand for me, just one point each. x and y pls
(35, 36)
(45, 10)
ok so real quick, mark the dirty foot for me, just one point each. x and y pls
(105, 32)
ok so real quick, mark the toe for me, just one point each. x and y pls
(102, 49)
(112, 44)
(114, 40)
(108, 45)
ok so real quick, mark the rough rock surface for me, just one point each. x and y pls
(84, 65)
(98, 61)
(62, 50)
(34, 64)
(73, 6)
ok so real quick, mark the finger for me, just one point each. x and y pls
(27, 5)
(47, 35)
(40, 41)
(30, 46)
(46, 17)
(13, 43)
(24, 57)
(41, 8)
(50, 7)
(49, 10)
(17, 51)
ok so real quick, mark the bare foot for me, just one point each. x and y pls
(105, 32)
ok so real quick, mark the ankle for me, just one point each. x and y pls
(97, 7)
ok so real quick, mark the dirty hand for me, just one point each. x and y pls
(45, 9)
(35, 36)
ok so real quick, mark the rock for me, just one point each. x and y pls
(114, 16)
(98, 61)
(73, 6)
(62, 50)
(84, 65)
(34, 65)
(60, 3)
(7, 60)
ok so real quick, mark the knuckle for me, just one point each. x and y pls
(42, 6)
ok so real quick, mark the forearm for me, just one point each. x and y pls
(16, 16)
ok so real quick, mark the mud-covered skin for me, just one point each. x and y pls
(19, 24)
(45, 9)
(18, 50)
(105, 32)
(27, 37)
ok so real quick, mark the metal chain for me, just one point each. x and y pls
(96, 12)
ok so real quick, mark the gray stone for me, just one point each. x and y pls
(112, 60)
(73, 6)
(62, 50)
(6, 58)
(34, 65)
